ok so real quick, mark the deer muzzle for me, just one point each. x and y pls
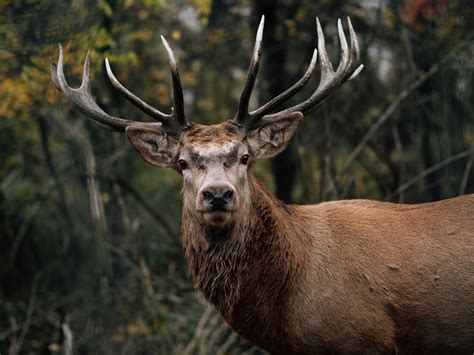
(217, 197)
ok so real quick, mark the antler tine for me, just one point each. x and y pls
(243, 111)
(355, 54)
(286, 95)
(142, 105)
(82, 99)
(86, 74)
(354, 42)
(178, 110)
(326, 65)
(345, 60)
(347, 69)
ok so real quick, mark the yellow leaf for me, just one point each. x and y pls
(55, 348)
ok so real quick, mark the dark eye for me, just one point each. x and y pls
(182, 164)
(245, 159)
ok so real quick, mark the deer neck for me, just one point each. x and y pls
(247, 271)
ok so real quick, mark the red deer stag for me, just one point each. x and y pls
(338, 277)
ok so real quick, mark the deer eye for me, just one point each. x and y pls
(182, 164)
(245, 159)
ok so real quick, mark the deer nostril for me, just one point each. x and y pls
(228, 194)
(208, 195)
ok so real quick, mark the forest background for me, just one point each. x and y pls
(89, 234)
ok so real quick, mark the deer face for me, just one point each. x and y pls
(214, 162)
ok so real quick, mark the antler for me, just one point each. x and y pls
(82, 98)
(349, 67)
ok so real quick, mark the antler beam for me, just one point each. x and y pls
(82, 98)
(242, 113)
(349, 67)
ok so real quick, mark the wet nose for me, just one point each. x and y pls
(218, 196)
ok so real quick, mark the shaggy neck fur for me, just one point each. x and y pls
(248, 287)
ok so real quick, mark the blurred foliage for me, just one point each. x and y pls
(89, 233)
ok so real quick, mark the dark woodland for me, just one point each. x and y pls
(91, 259)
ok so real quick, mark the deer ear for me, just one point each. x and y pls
(273, 137)
(155, 146)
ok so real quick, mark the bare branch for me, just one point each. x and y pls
(199, 329)
(465, 177)
(29, 314)
(68, 339)
(394, 105)
(431, 170)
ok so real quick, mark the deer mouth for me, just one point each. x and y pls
(217, 217)
(217, 209)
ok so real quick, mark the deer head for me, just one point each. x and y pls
(215, 160)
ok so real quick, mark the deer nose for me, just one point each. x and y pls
(218, 196)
